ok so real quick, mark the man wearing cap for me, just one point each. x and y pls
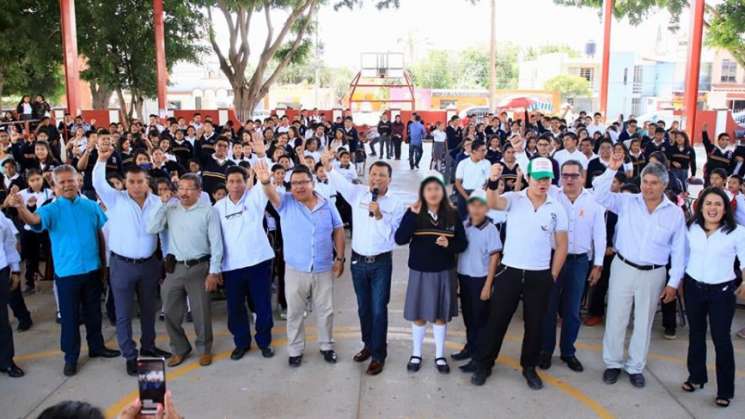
(534, 220)
(586, 235)
(650, 231)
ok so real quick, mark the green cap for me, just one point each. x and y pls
(541, 168)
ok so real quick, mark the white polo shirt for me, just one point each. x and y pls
(530, 232)
(585, 222)
(473, 174)
(244, 240)
(564, 155)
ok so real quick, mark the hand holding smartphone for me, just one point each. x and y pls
(151, 373)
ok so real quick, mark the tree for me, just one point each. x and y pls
(435, 71)
(117, 40)
(534, 52)
(31, 57)
(726, 21)
(568, 86)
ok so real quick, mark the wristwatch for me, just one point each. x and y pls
(342, 259)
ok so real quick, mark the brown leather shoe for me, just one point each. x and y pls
(362, 355)
(375, 368)
(176, 360)
(205, 360)
(593, 321)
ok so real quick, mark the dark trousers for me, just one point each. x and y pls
(78, 292)
(127, 281)
(278, 267)
(6, 332)
(669, 314)
(463, 204)
(566, 295)
(18, 305)
(596, 304)
(385, 145)
(345, 210)
(372, 285)
(253, 283)
(415, 154)
(397, 140)
(713, 305)
(510, 285)
(31, 248)
(475, 311)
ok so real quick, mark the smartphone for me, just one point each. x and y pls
(151, 373)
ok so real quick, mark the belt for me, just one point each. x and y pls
(370, 259)
(639, 267)
(194, 262)
(131, 260)
(711, 287)
(576, 256)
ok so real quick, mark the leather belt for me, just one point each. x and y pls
(131, 260)
(194, 262)
(639, 267)
(370, 259)
(576, 255)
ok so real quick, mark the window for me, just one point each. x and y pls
(729, 71)
(637, 74)
(444, 104)
(174, 104)
(586, 73)
(625, 76)
(198, 102)
(636, 105)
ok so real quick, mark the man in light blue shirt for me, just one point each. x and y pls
(416, 137)
(312, 231)
(74, 225)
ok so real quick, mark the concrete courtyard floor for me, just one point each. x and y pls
(260, 388)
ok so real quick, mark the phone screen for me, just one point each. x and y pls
(151, 374)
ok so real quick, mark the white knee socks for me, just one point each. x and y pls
(439, 330)
(417, 337)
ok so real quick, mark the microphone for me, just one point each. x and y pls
(374, 199)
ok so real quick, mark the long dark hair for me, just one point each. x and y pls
(727, 223)
(446, 213)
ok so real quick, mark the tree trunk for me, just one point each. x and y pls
(2, 87)
(244, 102)
(101, 95)
(123, 104)
(137, 103)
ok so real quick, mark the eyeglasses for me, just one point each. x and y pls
(570, 175)
(300, 183)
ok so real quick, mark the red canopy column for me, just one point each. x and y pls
(160, 57)
(607, 19)
(690, 99)
(70, 55)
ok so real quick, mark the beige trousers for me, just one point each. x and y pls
(299, 288)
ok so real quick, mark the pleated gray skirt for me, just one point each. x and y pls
(431, 296)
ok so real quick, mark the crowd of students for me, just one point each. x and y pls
(538, 207)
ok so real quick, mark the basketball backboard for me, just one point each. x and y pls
(382, 64)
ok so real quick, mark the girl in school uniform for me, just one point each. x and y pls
(33, 197)
(435, 236)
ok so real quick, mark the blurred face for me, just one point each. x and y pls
(165, 145)
(137, 186)
(635, 146)
(218, 194)
(279, 176)
(158, 157)
(285, 162)
(10, 169)
(344, 159)
(477, 210)
(570, 143)
(188, 193)
(41, 152)
(659, 136)
(615, 185)
(479, 153)
(509, 155)
(116, 184)
(605, 151)
(586, 147)
(301, 187)
(632, 127)
(723, 141)
(652, 187)
(162, 188)
(237, 150)
(539, 186)
(433, 194)
(713, 208)
(141, 159)
(378, 178)
(66, 184)
(571, 178)
(733, 185)
(716, 181)
(35, 182)
(321, 174)
(221, 149)
(194, 167)
(543, 146)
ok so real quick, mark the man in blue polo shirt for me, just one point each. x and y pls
(74, 224)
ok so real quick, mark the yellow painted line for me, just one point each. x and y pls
(172, 374)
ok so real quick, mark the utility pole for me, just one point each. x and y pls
(492, 58)
(317, 61)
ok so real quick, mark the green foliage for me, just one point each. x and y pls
(435, 71)
(466, 69)
(532, 53)
(569, 85)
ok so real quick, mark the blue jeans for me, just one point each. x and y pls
(76, 291)
(252, 282)
(566, 294)
(372, 284)
(415, 154)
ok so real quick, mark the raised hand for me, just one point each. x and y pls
(258, 146)
(326, 158)
(496, 171)
(262, 171)
(415, 207)
(616, 161)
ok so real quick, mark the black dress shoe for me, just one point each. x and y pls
(104, 353)
(573, 363)
(132, 367)
(637, 380)
(362, 355)
(544, 360)
(442, 366)
(329, 356)
(24, 325)
(468, 368)
(267, 352)
(71, 368)
(238, 353)
(479, 377)
(532, 378)
(412, 366)
(610, 376)
(13, 370)
(155, 353)
(464, 354)
(295, 361)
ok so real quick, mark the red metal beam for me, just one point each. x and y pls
(383, 100)
(70, 55)
(690, 100)
(160, 57)
(607, 19)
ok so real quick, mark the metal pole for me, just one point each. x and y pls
(317, 75)
(694, 66)
(160, 57)
(607, 19)
(492, 58)
(70, 55)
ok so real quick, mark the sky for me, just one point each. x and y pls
(457, 24)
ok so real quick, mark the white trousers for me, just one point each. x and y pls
(319, 287)
(630, 286)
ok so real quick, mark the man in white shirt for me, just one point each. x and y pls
(246, 269)
(596, 125)
(135, 268)
(586, 237)
(376, 214)
(650, 231)
(471, 174)
(570, 151)
(529, 270)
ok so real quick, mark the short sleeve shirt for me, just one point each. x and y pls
(483, 241)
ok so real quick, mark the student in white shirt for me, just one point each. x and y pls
(471, 174)
(714, 240)
(322, 183)
(246, 269)
(9, 282)
(570, 151)
(439, 147)
(33, 197)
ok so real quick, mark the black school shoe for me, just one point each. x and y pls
(442, 365)
(329, 356)
(132, 367)
(464, 354)
(295, 361)
(532, 378)
(267, 352)
(412, 366)
(610, 375)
